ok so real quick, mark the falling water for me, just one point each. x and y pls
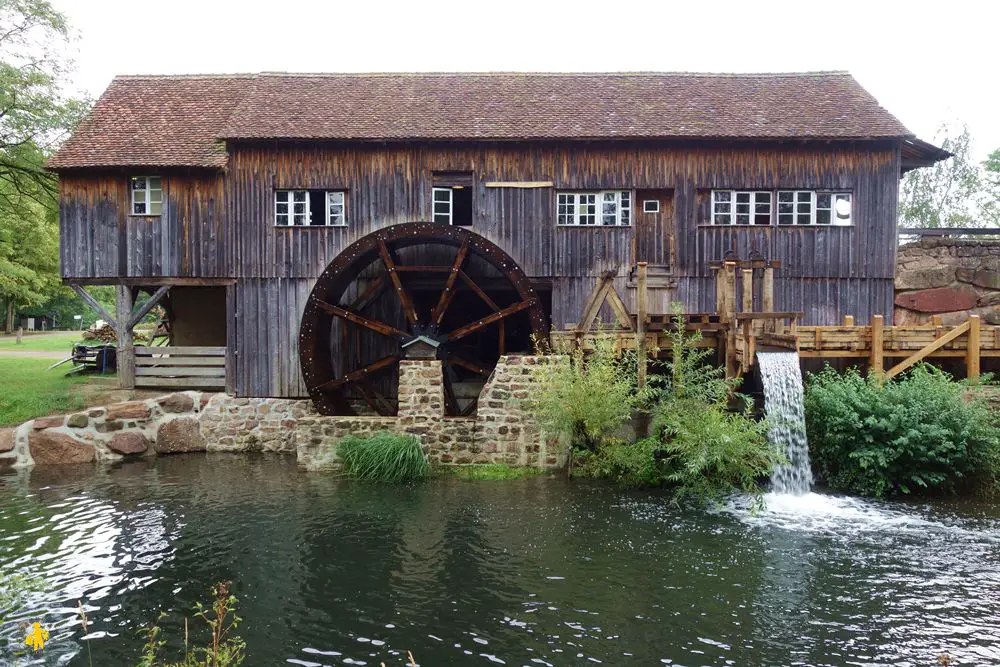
(783, 401)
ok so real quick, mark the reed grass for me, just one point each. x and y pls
(383, 457)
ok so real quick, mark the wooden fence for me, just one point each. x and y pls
(181, 367)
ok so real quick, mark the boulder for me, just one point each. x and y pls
(177, 403)
(179, 435)
(131, 410)
(965, 274)
(129, 442)
(51, 448)
(108, 427)
(6, 439)
(987, 278)
(937, 300)
(925, 278)
(78, 420)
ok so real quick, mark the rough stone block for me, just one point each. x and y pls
(131, 410)
(49, 422)
(179, 435)
(176, 403)
(987, 278)
(109, 426)
(925, 278)
(78, 420)
(51, 448)
(6, 440)
(128, 443)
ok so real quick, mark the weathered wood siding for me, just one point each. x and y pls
(99, 239)
(221, 225)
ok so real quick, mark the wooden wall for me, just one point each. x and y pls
(221, 225)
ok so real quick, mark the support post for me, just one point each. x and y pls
(20, 332)
(876, 360)
(126, 350)
(972, 349)
(640, 321)
(747, 290)
(848, 320)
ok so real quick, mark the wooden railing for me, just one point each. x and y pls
(186, 367)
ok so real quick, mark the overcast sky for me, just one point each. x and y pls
(927, 62)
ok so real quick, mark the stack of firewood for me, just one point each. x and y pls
(101, 334)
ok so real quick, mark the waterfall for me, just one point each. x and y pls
(783, 401)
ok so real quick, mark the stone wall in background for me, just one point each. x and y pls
(501, 431)
(952, 278)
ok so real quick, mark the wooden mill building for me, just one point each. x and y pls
(306, 231)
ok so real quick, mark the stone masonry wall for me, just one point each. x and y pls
(951, 278)
(501, 432)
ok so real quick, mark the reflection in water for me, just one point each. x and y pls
(537, 571)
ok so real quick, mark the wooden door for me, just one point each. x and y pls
(654, 227)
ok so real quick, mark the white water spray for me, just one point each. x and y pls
(783, 401)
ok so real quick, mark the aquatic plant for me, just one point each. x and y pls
(919, 433)
(383, 457)
(491, 471)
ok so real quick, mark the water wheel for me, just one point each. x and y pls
(416, 290)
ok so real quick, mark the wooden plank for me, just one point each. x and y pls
(619, 309)
(148, 305)
(190, 350)
(747, 290)
(184, 383)
(641, 295)
(972, 353)
(923, 353)
(767, 291)
(181, 371)
(519, 184)
(594, 303)
(176, 360)
(876, 359)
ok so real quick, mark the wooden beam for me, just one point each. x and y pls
(640, 320)
(594, 303)
(404, 296)
(92, 302)
(767, 291)
(448, 293)
(371, 292)
(478, 290)
(125, 352)
(148, 306)
(359, 374)
(972, 349)
(518, 184)
(747, 290)
(619, 309)
(929, 349)
(152, 281)
(848, 320)
(876, 362)
(461, 332)
(374, 325)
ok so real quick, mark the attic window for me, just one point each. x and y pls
(310, 208)
(147, 195)
(451, 196)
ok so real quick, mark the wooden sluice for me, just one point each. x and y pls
(738, 331)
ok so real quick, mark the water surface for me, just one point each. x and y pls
(532, 572)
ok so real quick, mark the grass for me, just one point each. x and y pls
(490, 471)
(59, 341)
(383, 457)
(31, 390)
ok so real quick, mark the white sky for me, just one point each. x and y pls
(926, 62)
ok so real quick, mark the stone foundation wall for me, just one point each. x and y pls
(952, 278)
(502, 431)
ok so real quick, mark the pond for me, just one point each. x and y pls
(538, 571)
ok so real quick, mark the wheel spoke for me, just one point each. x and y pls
(369, 295)
(451, 403)
(404, 296)
(373, 398)
(461, 332)
(478, 290)
(359, 374)
(468, 364)
(374, 325)
(449, 287)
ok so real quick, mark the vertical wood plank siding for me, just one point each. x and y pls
(220, 224)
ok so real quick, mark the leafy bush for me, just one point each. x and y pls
(587, 396)
(920, 433)
(698, 447)
(383, 457)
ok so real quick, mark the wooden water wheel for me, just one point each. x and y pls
(416, 290)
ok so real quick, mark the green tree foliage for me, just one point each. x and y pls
(921, 433)
(35, 115)
(586, 396)
(948, 194)
(991, 209)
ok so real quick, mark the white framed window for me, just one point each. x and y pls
(147, 195)
(741, 207)
(651, 206)
(808, 207)
(336, 214)
(607, 208)
(443, 205)
(291, 208)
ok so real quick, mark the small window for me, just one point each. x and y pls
(741, 207)
(451, 196)
(608, 208)
(442, 205)
(147, 195)
(310, 208)
(651, 206)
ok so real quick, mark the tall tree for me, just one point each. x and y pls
(949, 194)
(35, 115)
(991, 208)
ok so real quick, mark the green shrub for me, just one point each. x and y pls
(383, 457)
(586, 396)
(921, 433)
